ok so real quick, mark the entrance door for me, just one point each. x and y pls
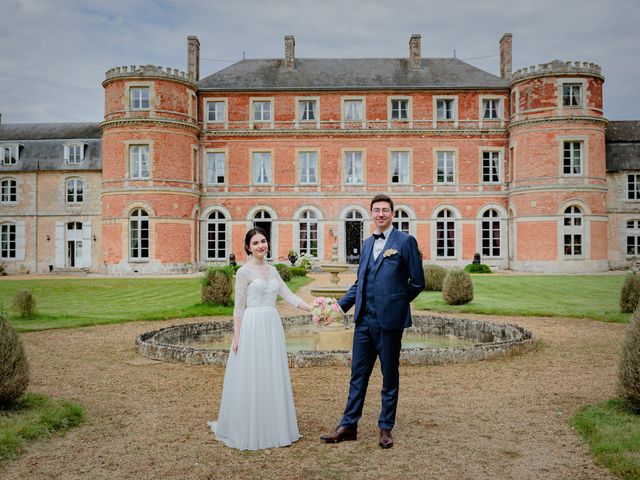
(74, 245)
(262, 219)
(353, 236)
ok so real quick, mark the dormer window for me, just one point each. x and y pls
(9, 154)
(74, 153)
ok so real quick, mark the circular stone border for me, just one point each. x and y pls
(492, 340)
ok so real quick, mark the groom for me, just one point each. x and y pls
(390, 276)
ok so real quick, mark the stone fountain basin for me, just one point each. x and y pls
(491, 340)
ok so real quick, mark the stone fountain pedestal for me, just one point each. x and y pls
(334, 290)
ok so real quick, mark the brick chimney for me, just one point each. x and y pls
(289, 51)
(414, 51)
(193, 57)
(505, 56)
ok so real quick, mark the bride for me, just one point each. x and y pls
(257, 409)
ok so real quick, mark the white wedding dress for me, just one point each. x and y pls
(257, 409)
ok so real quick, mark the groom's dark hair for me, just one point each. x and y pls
(381, 197)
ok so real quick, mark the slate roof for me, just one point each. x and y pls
(623, 131)
(350, 74)
(42, 145)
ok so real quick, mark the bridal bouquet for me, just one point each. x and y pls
(325, 310)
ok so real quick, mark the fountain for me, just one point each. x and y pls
(335, 290)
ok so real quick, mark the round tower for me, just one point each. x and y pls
(557, 171)
(150, 194)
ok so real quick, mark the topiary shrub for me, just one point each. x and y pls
(14, 369)
(217, 288)
(477, 268)
(25, 304)
(630, 293)
(284, 271)
(298, 271)
(458, 287)
(434, 277)
(629, 371)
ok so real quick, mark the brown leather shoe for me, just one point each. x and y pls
(340, 434)
(386, 440)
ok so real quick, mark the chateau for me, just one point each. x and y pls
(523, 168)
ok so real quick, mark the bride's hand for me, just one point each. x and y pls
(234, 345)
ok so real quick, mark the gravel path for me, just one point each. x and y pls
(503, 419)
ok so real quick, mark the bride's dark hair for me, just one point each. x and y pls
(252, 233)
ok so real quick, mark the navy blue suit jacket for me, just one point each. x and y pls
(398, 279)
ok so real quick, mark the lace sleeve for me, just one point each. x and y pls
(284, 291)
(242, 281)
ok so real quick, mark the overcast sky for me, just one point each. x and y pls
(54, 54)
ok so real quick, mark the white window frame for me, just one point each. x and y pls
(574, 228)
(74, 188)
(262, 121)
(569, 94)
(10, 153)
(347, 111)
(491, 220)
(351, 158)
(8, 189)
(224, 114)
(300, 111)
(571, 166)
(500, 102)
(138, 173)
(304, 170)
(449, 167)
(264, 176)
(404, 171)
(8, 241)
(633, 234)
(574, 82)
(219, 159)
(492, 152)
(74, 153)
(309, 223)
(450, 217)
(437, 117)
(219, 225)
(139, 215)
(402, 220)
(391, 111)
(137, 102)
(633, 186)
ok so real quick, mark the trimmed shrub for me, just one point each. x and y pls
(477, 268)
(3, 269)
(629, 371)
(14, 369)
(434, 277)
(284, 271)
(217, 288)
(298, 271)
(630, 293)
(25, 304)
(458, 287)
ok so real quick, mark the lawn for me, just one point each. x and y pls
(612, 432)
(66, 302)
(581, 296)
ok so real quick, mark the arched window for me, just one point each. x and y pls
(8, 191)
(573, 231)
(491, 234)
(75, 188)
(401, 220)
(216, 236)
(633, 237)
(139, 235)
(7, 240)
(446, 234)
(262, 219)
(309, 233)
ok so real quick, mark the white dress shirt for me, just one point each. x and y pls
(378, 245)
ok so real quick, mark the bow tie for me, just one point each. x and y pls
(376, 236)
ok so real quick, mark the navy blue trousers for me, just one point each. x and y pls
(369, 342)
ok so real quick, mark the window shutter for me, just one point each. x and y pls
(59, 242)
(20, 240)
(86, 244)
